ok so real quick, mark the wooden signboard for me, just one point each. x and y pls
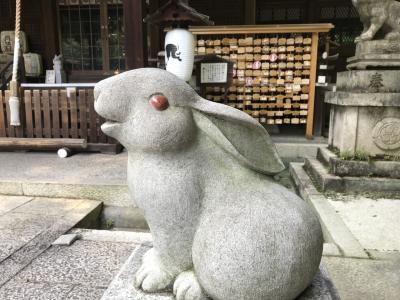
(213, 72)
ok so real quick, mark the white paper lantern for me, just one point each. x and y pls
(179, 53)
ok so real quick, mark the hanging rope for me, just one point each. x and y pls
(14, 101)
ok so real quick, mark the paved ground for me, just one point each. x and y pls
(81, 271)
(365, 279)
(86, 268)
(31, 269)
(47, 167)
(28, 226)
(94, 168)
(374, 222)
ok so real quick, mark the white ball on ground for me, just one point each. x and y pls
(63, 152)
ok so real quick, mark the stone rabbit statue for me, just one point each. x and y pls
(378, 16)
(200, 171)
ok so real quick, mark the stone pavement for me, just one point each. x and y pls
(101, 177)
(33, 269)
(96, 176)
(29, 225)
(375, 223)
(363, 257)
(81, 271)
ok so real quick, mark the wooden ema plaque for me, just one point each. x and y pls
(274, 70)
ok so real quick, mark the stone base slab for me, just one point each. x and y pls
(327, 182)
(374, 61)
(122, 287)
(383, 46)
(371, 81)
(366, 122)
(340, 167)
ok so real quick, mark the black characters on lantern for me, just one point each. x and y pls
(172, 51)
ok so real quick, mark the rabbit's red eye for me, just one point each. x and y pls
(159, 102)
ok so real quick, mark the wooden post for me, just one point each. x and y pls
(135, 33)
(50, 32)
(154, 31)
(313, 78)
(312, 11)
(41, 143)
(250, 12)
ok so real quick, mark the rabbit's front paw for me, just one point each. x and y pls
(186, 287)
(152, 276)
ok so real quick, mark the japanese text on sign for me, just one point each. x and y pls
(214, 72)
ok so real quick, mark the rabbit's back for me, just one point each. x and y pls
(257, 244)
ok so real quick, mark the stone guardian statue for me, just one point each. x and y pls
(222, 228)
(378, 16)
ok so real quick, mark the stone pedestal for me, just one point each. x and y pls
(122, 287)
(376, 54)
(365, 114)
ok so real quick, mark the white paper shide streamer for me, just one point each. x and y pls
(179, 53)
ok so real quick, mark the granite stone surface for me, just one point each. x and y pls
(8, 203)
(26, 232)
(80, 271)
(359, 81)
(367, 122)
(34, 291)
(122, 288)
(84, 262)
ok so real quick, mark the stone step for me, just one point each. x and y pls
(355, 168)
(28, 226)
(109, 194)
(322, 178)
(122, 288)
(324, 155)
(327, 182)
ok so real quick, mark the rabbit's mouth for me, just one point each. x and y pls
(109, 126)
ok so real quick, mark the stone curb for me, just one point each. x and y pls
(334, 229)
(324, 155)
(295, 150)
(324, 180)
(94, 235)
(113, 195)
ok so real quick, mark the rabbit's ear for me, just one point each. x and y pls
(238, 134)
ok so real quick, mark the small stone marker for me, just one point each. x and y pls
(66, 240)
